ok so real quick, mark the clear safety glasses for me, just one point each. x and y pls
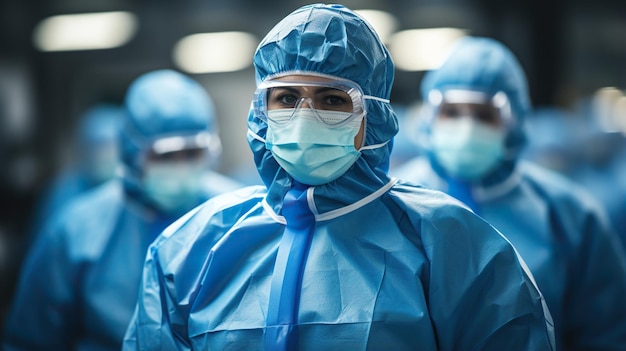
(333, 102)
(490, 109)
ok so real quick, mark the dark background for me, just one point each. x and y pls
(569, 49)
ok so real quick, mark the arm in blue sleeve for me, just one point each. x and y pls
(481, 297)
(597, 291)
(44, 313)
(158, 322)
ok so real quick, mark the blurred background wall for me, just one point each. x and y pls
(569, 49)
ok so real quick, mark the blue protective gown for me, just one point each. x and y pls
(361, 263)
(558, 228)
(79, 285)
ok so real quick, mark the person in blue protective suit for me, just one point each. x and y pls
(479, 99)
(332, 254)
(95, 162)
(80, 282)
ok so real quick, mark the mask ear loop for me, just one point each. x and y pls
(364, 147)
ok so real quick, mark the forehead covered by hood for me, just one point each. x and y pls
(328, 39)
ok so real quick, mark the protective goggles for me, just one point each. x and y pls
(493, 109)
(181, 147)
(333, 102)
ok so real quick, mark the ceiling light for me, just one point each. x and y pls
(87, 31)
(215, 52)
(422, 49)
(606, 108)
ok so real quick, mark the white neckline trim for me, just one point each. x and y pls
(330, 214)
(347, 209)
(270, 211)
(498, 190)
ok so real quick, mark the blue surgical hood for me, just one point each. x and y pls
(330, 40)
(485, 65)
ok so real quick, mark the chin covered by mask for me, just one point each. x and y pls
(174, 188)
(465, 148)
(310, 151)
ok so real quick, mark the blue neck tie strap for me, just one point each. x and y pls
(281, 331)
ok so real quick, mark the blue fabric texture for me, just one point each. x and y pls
(99, 124)
(557, 227)
(79, 285)
(359, 263)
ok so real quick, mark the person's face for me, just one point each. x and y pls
(318, 97)
(482, 113)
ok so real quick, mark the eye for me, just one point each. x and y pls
(449, 111)
(288, 99)
(335, 100)
(185, 155)
(487, 115)
(282, 98)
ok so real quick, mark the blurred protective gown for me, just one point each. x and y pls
(557, 227)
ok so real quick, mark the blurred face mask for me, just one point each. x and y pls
(174, 187)
(465, 148)
(100, 162)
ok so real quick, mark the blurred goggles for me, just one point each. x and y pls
(493, 109)
(180, 148)
(333, 101)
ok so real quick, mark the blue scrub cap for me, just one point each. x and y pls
(485, 65)
(330, 40)
(100, 124)
(159, 104)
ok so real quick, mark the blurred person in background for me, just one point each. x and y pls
(332, 254)
(404, 142)
(79, 284)
(479, 100)
(94, 161)
(602, 170)
(587, 148)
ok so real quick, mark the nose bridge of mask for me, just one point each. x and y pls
(305, 107)
(304, 100)
(462, 130)
(464, 127)
(304, 127)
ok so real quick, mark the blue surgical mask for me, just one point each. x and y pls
(310, 151)
(174, 189)
(465, 148)
(100, 163)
